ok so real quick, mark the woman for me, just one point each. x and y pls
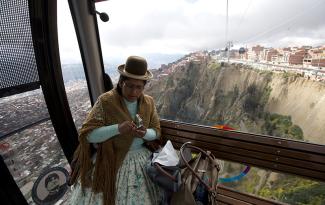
(116, 172)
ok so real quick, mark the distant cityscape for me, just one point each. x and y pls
(306, 61)
(305, 56)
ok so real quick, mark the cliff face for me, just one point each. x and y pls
(304, 101)
(207, 93)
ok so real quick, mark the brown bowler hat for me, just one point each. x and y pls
(135, 67)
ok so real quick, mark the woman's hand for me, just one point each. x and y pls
(127, 127)
(141, 132)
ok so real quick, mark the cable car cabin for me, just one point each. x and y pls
(258, 169)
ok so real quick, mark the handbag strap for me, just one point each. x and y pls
(162, 171)
(209, 155)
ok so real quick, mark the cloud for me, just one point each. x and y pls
(275, 20)
(68, 43)
(182, 26)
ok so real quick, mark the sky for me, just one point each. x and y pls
(177, 27)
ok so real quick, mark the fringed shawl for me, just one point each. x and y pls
(109, 109)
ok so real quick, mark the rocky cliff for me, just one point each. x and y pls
(206, 92)
(303, 100)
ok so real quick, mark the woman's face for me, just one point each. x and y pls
(132, 89)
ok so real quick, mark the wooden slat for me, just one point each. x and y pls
(221, 203)
(249, 137)
(251, 152)
(222, 190)
(277, 154)
(299, 158)
(229, 200)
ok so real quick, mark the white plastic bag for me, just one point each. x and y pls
(167, 156)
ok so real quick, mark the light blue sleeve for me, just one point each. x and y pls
(150, 135)
(103, 133)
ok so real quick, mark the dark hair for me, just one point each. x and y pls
(121, 80)
(50, 178)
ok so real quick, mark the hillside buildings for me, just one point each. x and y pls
(305, 56)
(307, 61)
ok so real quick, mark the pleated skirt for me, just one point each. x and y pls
(133, 186)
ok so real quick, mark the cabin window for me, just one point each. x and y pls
(72, 67)
(18, 71)
(28, 143)
(265, 88)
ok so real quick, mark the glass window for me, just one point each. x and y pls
(28, 142)
(251, 71)
(258, 101)
(72, 67)
(265, 88)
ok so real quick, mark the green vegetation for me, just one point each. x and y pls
(281, 126)
(280, 187)
(313, 193)
(249, 182)
(214, 65)
(228, 99)
(234, 94)
(265, 95)
(295, 190)
(255, 100)
(170, 82)
(286, 76)
(252, 100)
(268, 76)
(291, 76)
(223, 102)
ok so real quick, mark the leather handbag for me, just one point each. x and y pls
(167, 177)
(199, 178)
